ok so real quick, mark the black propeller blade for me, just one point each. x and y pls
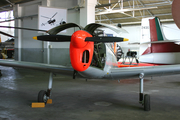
(6, 34)
(90, 28)
(52, 31)
(53, 38)
(62, 27)
(106, 39)
(65, 38)
(23, 28)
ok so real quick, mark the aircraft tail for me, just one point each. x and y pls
(154, 47)
(151, 31)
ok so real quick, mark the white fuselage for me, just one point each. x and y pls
(161, 58)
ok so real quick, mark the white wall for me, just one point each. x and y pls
(27, 49)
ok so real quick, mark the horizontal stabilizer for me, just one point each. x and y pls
(164, 41)
(134, 43)
(106, 39)
(53, 38)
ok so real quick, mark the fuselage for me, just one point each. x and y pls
(161, 53)
(103, 60)
(161, 58)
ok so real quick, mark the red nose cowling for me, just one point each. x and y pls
(81, 51)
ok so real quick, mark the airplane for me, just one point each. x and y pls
(7, 47)
(92, 57)
(154, 48)
(50, 21)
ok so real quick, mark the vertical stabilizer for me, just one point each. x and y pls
(150, 31)
(156, 33)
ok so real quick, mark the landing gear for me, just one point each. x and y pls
(43, 95)
(144, 100)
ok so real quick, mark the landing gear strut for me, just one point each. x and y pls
(43, 95)
(144, 100)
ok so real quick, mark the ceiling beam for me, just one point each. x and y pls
(139, 22)
(145, 6)
(133, 17)
(110, 11)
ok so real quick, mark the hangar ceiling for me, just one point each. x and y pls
(126, 12)
(132, 11)
(6, 5)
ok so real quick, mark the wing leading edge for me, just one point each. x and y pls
(130, 72)
(38, 66)
(114, 73)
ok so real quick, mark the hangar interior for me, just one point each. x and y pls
(26, 15)
(81, 99)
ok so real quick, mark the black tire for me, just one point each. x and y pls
(147, 102)
(42, 97)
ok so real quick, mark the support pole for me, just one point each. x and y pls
(19, 39)
(50, 84)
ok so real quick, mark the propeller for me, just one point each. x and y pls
(53, 38)
(65, 38)
(22, 28)
(6, 34)
(81, 42)
(106, 39)
(62, 27)
(52, 31)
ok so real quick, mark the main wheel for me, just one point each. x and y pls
(147, 102)
(42, 96)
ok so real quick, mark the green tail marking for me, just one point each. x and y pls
(158, 29)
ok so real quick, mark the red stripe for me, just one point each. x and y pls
(153, 31)
(165, 47)
(147, 51)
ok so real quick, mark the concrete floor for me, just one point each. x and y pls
(81, 100)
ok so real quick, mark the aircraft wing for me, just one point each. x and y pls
(131, 72)
(38, 66)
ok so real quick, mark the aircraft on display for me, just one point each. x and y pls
(7, 47)
(154, 47)
(92, 57)
(51, 21)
